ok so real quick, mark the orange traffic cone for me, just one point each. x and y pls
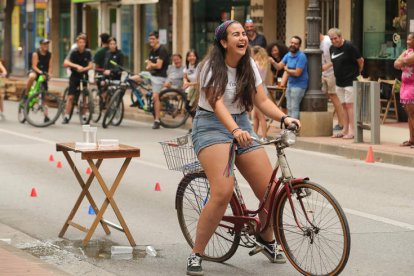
(370, 156)
(33, 193)
(157, 187)
(51, 159)
(59, 165)
(88, 170)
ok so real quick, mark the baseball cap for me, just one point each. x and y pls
(44, 41)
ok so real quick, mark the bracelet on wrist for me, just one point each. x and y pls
(282, 120)
(234, 130)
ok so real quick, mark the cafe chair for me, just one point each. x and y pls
(387, 99)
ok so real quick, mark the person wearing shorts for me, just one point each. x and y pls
(328, 80)
(157, 64)
(225, 99)
(80, 62)
(347, 64)
(41, 63)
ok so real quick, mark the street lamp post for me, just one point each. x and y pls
(316, 119)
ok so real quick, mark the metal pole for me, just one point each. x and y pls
(314, 99)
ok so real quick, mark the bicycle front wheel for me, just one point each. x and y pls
(42, 109)
(20, 110)
(173, 111)
(85, 107)
(64, 100)
(97, 105)
(322, 243)
(112, 109)
(119, 115)
(192, 195)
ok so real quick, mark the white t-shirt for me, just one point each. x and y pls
(191, 73)
(326, 56)
(229, 92)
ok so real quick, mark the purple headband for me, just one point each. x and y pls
(221, 29)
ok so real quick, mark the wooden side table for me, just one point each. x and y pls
(98, 154)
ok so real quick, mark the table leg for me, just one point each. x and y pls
(109, 200)
(85, 188)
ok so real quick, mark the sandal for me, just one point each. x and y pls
(406, 144)
(338, 135)
(348, 136)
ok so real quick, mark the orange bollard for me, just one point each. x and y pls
(59, 165)
(370, 156)
(51, 159)
(157, 187)
(33, 193)
(88, 170)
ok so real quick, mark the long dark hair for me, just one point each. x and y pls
(283, 50)
(187, 63)
(245, 78)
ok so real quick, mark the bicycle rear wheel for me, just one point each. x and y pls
(192, 194)
(173, 111)
(112, 109)
(323, 244)
(42, 109)
(85, 107)
(119, 115)
(97, 105)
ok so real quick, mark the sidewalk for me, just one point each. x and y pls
(16, 262)
(392, 134)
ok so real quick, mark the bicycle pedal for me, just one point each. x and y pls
(256, 250)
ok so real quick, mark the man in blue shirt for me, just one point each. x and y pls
(295, 65)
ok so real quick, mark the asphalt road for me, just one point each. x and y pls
(377, 199)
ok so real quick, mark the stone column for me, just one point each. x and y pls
(316, 120)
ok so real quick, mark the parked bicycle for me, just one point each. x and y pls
(175, 109)
(83, 101)
(308, 222)
(39, 107)
(102, 96)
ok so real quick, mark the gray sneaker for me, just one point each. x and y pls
(194, 265)
(156, 125)
(271, 251)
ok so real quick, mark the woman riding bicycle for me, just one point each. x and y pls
(230, 85)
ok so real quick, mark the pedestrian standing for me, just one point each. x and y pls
(295, 64)
(157, 64)
(254, 37)
(405, 62)
(230, 85)
(328, 80)
(276, 52)
(3, 74)
(347, 64)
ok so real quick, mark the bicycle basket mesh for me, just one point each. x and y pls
(179, 154)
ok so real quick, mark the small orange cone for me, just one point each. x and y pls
(33, 193)
(51, 159)
(59, 165)
(88, 170)
(157, 187)
(370, 156)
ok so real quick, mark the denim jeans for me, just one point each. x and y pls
(294, 96)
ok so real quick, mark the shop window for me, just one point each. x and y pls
(281, 20)
(384, 28)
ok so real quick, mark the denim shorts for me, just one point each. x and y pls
(208, 130)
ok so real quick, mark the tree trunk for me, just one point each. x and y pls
(7, 48)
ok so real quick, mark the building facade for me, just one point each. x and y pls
(373, 25)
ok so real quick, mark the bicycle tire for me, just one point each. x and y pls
(119, 115)
(304, 249)
(192, 194)
(97, 105)
(30, 111)
(173, 113)
(20, 110)
(133, 96)
(64, 99)
(84, 119)
(111, 109)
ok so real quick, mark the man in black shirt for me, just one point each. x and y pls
(157, 64)
(41, 63)
(254, 37)
(347, 63)
(80, 62)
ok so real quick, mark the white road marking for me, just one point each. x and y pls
(241, 183)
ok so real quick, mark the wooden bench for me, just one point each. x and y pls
(12, 89)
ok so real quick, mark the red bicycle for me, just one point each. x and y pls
(308, 222)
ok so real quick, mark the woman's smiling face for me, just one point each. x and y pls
(237, 40)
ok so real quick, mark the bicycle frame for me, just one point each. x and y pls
(36, 89)
(139, 96)
(245, 217)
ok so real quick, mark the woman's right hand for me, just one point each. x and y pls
(243, 138)
(288, 121)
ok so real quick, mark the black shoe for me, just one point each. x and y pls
(46, 119)
(156, 125)
(271, 251)
(194, 265)
(65, 121)
(134, 104)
